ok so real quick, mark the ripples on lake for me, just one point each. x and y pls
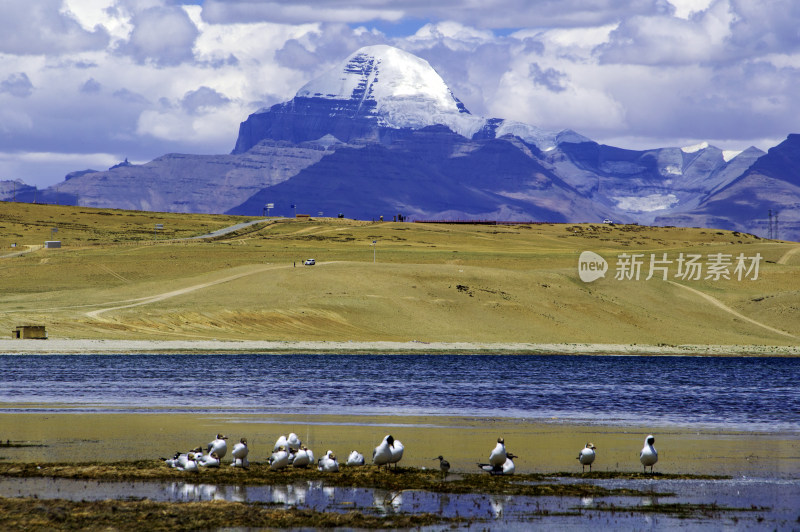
(732, 393)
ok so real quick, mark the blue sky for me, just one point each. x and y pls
(87, 83)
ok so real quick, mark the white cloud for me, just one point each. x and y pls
(162, 35)
(666, 40)
(583, 108)
(451, 34)
(297, 12)
(203, 100)
(140, 78)
(17, 84)
(474, 13)
(49, 168)
(40, 27)
(13, 121)
(106, 14)
(686, 8)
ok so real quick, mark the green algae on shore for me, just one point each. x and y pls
(402, 478)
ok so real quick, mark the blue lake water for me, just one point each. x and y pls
(726, 393)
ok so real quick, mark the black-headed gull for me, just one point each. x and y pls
(182, 458)
(172, 462)
(328, 463)
(648, 456)
(239, 454)
(209, 460)
(302, 458)
(219, 446)
(498, 455)
(292, 442)
(383, 452)
(506, 468)
(397, 449)
(587, 456)
(355, 459)
(508, 465)
(191, 464)
(281, 442)
(279, 459)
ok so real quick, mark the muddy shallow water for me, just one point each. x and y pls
(695, 504)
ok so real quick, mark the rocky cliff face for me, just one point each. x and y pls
(16, 190)
(189, 183)
(771, 183)
(639, 186)
(431, 173)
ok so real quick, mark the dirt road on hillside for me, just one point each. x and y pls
(95, 314)
(716, 302)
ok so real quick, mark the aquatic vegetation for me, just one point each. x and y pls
(403, 478)
(632, 475)
(390, 499)
(35, 514)
(681, 510)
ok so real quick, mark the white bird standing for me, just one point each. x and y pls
(328, 463)
(239, 454)
(587, 456)
(397, 449)
(279, 459)
(355, 459)
(498, 455)
(219, 446)
(302, 458)
(383, 452)
(648, 456)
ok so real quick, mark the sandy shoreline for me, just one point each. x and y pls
(98, 346)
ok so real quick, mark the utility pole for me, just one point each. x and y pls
(769, 230)
(776, 225)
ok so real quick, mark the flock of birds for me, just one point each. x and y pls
(289, 451)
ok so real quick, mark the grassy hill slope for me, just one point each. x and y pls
(117, 277)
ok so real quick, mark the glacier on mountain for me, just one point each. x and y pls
(399, 89)
(388, 88)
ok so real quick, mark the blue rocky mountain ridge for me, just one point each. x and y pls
(382, 134)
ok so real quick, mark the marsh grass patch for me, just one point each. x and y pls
(396, 480)
(57, 514)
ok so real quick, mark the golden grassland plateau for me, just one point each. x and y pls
(117, 277)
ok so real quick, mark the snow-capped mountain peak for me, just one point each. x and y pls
(398, 88)
(695, 147)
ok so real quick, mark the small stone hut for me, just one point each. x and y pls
(29, 332)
